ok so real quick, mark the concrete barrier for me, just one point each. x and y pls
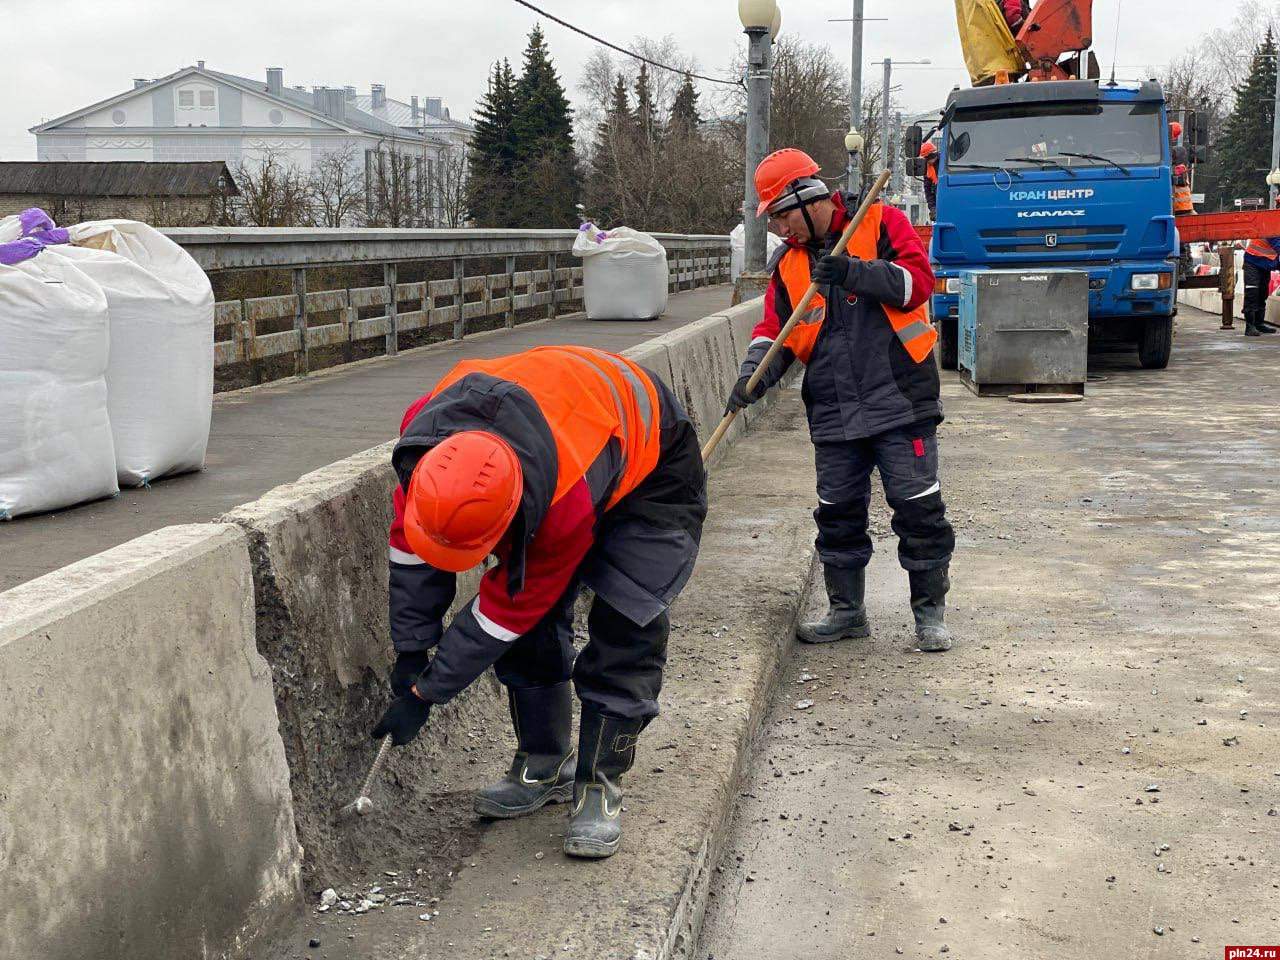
(144, 808)
(180, 711)
(319, 556)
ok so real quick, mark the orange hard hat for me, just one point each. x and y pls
(928, 148)
(778, 171)
(1175, 129)
(462, 496)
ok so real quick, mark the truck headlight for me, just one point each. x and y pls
(946, 285)
(953, 284)
(1145, 281)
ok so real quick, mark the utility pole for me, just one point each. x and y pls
(1275, 133)
(759, 65)
(855, 91)
(884, 116)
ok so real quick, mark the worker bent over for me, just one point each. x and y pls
(1260, 258)
(870, 388)
(573, 467)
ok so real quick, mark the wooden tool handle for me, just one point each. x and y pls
(780, 340)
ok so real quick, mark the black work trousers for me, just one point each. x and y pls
(1256, 282)
(907, 458)
(643, 556)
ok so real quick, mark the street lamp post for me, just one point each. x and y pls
(853, 143)
(759, 18)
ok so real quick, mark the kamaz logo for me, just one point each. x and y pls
(1073, 193)
(1028, 214)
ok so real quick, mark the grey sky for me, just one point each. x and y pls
(64, 54)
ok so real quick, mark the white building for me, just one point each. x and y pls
(201, 114)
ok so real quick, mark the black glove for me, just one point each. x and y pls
(408, 668)
(739, 398)
(842, 271)
(403, 720)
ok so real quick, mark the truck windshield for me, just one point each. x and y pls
(1049, 135)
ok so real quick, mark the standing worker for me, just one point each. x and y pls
(572, 466)
(870, 388)
(929, 152)
(1182, 204)
(1260, 258)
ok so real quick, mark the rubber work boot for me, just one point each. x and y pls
(606, 750)
(542, 771)
(928, 606)
(846, 617)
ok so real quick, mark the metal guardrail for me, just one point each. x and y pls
(694, 260)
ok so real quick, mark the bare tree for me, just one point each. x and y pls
(273, 193)
(396, 190)
(451, 188)
(337, 188)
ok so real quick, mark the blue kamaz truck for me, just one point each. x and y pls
(1069, 174)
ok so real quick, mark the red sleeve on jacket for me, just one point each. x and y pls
(900, 244)
(777, 309)
(551, 559)
(396, 537)
(1012, 12)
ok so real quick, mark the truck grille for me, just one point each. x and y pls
(1102, 240)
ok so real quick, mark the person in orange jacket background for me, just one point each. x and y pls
(929, 152)
(573, 467)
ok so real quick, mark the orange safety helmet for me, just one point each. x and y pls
(928, 148)
(778, 171)
(1175, 129)
(462, 496)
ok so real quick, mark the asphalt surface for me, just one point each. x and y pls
(1094, 770)
(264, 436)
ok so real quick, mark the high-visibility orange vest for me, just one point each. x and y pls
(588, 397)
(1182, 200)
(1261, 248)
(911, 326)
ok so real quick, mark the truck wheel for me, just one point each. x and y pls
(1156, 344)
(948, 338)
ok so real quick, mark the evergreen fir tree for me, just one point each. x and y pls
(615, 141)
(546, 174)
(646, 110)
(1246, 140)
(684, 111)
(490, 184)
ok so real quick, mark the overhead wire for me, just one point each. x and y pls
(624, 51)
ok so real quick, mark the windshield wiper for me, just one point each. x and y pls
(1095, 156)
(984, 166)
(1046, 163)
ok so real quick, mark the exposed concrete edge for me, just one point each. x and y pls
(691, 908)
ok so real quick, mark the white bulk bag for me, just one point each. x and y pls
(624, 274)
(160, 374)
(55, 437)
(738, 249)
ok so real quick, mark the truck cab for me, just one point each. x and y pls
(1072, 174)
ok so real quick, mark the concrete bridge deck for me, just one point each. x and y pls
(268, 435)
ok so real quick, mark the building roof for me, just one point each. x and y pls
(356, 117)
(118, 178)
(400, 114)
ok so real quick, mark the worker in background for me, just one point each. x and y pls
(870, 388)
(929, 151)
(1260, 258)
(1015, 12)
(1182, 204)
(572, 467)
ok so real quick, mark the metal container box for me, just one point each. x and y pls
(1024, 331)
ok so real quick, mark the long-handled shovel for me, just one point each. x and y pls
(868, 199)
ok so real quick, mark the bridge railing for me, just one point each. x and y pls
(490, 278)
